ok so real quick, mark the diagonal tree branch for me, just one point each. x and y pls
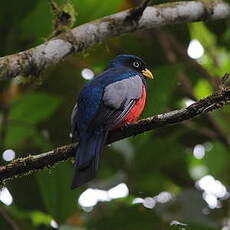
(23, 166)
(34, 60)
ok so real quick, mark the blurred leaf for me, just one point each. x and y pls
(227, 35)
(224, 62)
(125, 148)
(39, 218)
(20, 10)
(34, 108)
(26, 112)
(222, 59)
(58, 198)
(113, 218)
(202, 89)
(200, 31)
(154, 173)
(16, 134)
(161, 89)
(41, 141)
(19, 133)
(38, 23)
(11, 35)
(216, 159)
(221, 120)
(89, 9)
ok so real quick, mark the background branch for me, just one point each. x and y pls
(8, 218)
(33, 61)
(137, 12)
(30, 164)
(171, 47)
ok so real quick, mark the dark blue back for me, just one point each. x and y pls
(91, 95)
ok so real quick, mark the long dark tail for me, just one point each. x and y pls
(87, 159)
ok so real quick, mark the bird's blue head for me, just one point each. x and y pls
(131, 61)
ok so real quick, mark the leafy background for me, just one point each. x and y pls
(158, 167)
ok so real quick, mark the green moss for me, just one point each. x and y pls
(4, 65)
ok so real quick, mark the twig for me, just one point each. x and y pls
(37, 59)
(23, 166)
(224, 81)
(136, 13)
(8, 219)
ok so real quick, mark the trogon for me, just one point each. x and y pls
(114, 98)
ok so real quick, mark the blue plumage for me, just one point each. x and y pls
(93, 91)
(101, 106)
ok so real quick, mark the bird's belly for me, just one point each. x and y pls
(136, 111)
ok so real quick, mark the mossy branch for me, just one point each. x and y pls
(64, 17)
(32, 163)
(37, 59)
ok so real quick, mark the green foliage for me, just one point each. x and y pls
(92, 9)
(39, 218)
(33, 108)
(202, 89)
(150, 163)
(216, 165)
(36, 218)
(37, 25)
(201, 32)
(26, 113)
(54, 185)
(167, 78)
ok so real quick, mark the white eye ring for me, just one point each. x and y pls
(136, 64)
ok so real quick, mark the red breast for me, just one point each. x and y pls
(136, 111)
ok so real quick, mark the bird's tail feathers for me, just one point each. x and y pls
(87, 159)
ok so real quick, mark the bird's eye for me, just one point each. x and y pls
(136, 64)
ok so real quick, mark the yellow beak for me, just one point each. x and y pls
(147, 73)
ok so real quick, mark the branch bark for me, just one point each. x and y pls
(23, 166)
(34, 60)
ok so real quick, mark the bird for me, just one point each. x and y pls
(114, 98)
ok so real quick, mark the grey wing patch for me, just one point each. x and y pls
(110, 117)
(118, 94)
